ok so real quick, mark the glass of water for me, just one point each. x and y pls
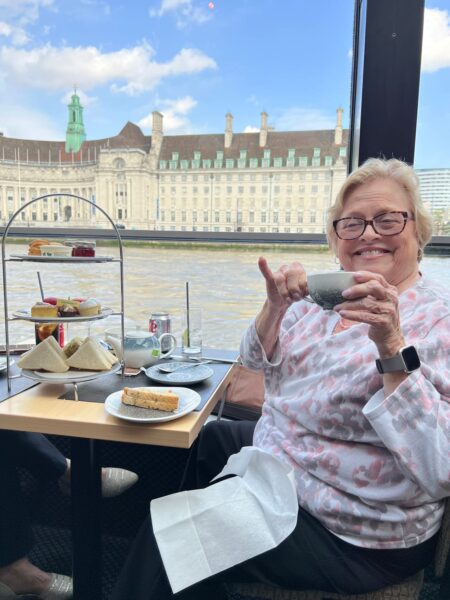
(191, 341)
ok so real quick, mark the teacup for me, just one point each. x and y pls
(326, 288)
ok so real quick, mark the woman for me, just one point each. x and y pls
(20, 578)
(369, 442)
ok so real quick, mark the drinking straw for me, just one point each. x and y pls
(187, 316)
(40, 285)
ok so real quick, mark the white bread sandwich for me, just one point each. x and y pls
(46, 356)
(90, 356)
(166, 401)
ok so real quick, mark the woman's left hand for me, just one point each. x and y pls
(374, 301)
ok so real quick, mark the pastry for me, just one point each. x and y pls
(145, 398)
(89, 356)
(55, 249)
(50, 300)
(61, 301)
(44, 309)
(34, 249)
(72, 346)
(89, 308)
(67, 311)
(46, 356)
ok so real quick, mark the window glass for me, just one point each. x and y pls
(432, 159)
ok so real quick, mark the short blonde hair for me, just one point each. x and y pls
(377, 168)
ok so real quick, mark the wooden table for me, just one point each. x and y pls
(40, 410)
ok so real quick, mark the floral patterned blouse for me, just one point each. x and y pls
(372, 469)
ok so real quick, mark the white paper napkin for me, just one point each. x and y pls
(203, 532)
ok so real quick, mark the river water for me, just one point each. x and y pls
(224, 283)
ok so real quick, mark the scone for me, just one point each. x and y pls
(166, 401)
(34, 249)
(43, 309)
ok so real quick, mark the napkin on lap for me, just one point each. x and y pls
(203, 532)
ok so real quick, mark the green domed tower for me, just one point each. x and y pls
(75, 134)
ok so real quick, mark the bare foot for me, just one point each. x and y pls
(25, 578)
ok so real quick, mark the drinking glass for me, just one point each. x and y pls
(191, 341)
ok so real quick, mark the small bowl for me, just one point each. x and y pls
(56, 251)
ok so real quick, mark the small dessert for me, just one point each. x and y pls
(62, 301)
(67, 311)
(144, 398)
(56, 249)
(50, 300)
(44, 309)
(34, 249)
(89, 308)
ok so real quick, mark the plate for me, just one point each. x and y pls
(189, 400)
(193, 374)
(70, 376)
(72, 259)
(3, 363)
(26, 314)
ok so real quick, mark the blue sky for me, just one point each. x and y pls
(194, 62)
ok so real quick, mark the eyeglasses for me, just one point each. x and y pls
(389, 223)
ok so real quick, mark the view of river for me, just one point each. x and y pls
(224, 283)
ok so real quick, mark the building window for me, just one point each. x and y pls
(175, 156)
(314, 189)
(343, 151)
(229, 189)
(328, 161)
(303, 161)
(228, 217)
(184, 164)
(316, 152)
(197, 155)
(183, 216)
(263, 217)
(194, 216)
(219, 155)
(163, 164)
(316, 162)
(253, 163)
(287, 217)
(240, 190)
(172, 216)
(205, 216)
(229, 163)
(300, 217)
(163, 215)
(217, 216)
(278, 162)
(251, 217)
(312, 218)
(33, 216)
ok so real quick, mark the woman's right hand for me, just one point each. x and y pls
(285, 286)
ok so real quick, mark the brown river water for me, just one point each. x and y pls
(224, 283)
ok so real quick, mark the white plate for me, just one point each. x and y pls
(70, 376)
(3, 363)
(26, 315)
(73, 259)
(189, 400)
(193, 374)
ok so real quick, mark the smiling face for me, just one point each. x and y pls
(394, 257)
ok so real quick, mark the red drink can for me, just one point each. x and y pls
(158, 324)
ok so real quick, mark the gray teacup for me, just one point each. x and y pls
(326, 288)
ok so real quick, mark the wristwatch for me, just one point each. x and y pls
(406, 360)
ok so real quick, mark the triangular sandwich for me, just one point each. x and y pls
(46, 356)
(89, 356)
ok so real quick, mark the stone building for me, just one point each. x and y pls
(266, 181)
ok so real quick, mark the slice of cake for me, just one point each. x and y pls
(44, 309)
(149, 399)
(89, 308)
(46, 356)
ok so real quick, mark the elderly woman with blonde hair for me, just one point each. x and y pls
(357, 402)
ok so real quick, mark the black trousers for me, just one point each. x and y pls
(310, 558)
(37, 454)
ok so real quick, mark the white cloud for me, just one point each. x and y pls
(185, 12)
(251, 129)
(436, 40)
(175, 115)
(131, 71)
(24, 11)
(26, 123)
(304, 119)
(17, 35)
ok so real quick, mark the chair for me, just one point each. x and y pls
(406, 590)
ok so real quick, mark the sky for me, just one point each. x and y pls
(194, 61)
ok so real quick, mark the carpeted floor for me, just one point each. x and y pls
(53, 548)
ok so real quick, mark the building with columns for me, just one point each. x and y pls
(266, 181)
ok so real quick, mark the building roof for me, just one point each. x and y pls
(131, 137)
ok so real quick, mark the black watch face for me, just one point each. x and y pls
(411, 358)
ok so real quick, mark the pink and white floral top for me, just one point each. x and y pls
(370, 468)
